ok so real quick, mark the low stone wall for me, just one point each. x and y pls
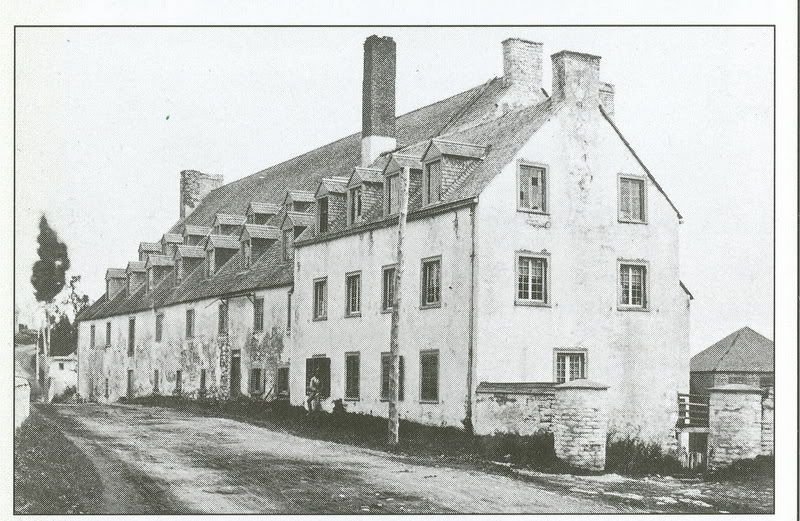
(22, 400)
(768, 422)
(514, 408)
(580, 424)
(734, 424)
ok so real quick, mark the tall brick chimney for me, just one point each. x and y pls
(194, 187)
(378, 102)
(576, 78)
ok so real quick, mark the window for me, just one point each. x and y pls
(386, 373)
(737, 379)
(258, 314)
(155, 381)
(178, 381)
(633, 286)
(282, 382)
(433, 182)
(632, 200)
(352, 362)
(431, 282)
(91, 336)
(255, 381)
(532, 279)
(289, 313)
(210, 263)
(429, 376)
(570, 366)
(108, 334)
(321, 366)
(766, 381)
(389, 282)
(159, 326)
(131, 335)
(223, 318)
(247, 252)
(202, 380)
(321, 299)
(61, 366)
(189, 323)
(106, 391)
(287, 244)
(531, 183)
(393, 194)
(354, 211)
(353, 295)
(322, 214)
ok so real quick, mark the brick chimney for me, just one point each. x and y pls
(378, 101)
(522, 67)
(194, 187)
(576, 78)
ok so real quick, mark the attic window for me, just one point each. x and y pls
(532, 188)
(393, 194)
(287, 244)
(433, 182)
(322, 214)
(247, 251)
(355, 204)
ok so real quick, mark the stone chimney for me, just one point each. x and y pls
(522, 67)
(378, 101)
(194, 187)
(607, 98)
(576, 78)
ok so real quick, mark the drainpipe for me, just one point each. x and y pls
(471, 338)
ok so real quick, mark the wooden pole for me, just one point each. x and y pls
(394, 339)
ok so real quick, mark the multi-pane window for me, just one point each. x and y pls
(631, 199)
(320, 299)
(255, 380)
(431, 282)
(633, 285)
(223, 318)
(159, 326)
(393, 194)
(322, 214)
(433, 182)
(91, 336)
(429, 376)
(352, 294)
(386, 374)
(287, 244)
(354, 210)
(531, 182)
(131, 335)
(531, 279)
(108, 334)
(570, 366)
(258, 314)
(389, 281)
(189, 323)
(352, 362)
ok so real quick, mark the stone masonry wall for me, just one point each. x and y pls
(768, 422)
(734, 424)
(580, 424)
(515, 412)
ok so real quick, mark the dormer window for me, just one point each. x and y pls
(354, 212)
(322, 214)
(432, 182)
(392, 194)
(210, 263)
(287, 244)
(247, 253)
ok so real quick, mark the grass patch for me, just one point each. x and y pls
(51, 475)
(745, 470)
(632, 456)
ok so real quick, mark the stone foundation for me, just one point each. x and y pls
(580, 424)
(734, 424)
(515, 408)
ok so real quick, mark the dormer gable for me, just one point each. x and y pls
(135, 273)
(187, 258)
(194, 235)
(116, 281)
(364, 191)
(219, 250)
(227, 224)
(331, 204)
(444, 164)
(255, 239)
(147, 248)
(169, 241)
(157, 268)
(391, 177)
(298, 201)
(294, 223)
(261, 213)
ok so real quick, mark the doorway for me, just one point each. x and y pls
(236, 373)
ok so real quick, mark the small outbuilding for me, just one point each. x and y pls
(743, 357)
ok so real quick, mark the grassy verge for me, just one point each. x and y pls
(51, 475)
(746, 469)
(631, 456)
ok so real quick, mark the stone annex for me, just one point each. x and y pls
(541, 280)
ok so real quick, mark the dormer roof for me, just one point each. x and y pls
(262, 208)
(159, 260)
(398, 161)
(259, 231)
(225, 242)
(149, 247)
(116, 273)
(135, 267)
(331, 185)
(446, 147)
(299, 196)
(172, 238)
(229, 219)
(298, 219)
(186, 251)
(363, 175)
(196, 230)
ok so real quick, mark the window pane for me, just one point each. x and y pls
(531, 188)
(258, 314)
(433, 180)
(352, 374)
(561, 368)
(429, 377)
(625, 284)
(523, 281)
(353, 297)
(431, 282)
(394, 194)
(388, 288)
(631, 199)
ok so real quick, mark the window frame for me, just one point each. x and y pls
(258, 388)
(92, 336)
(426, 182)
(568, 351)
(190, 322)
(108, 334)
(387, 307)
(645, 307)
(528, 254)
(156, 380)
(178, 381)
(131, 336)
(288, 246)
(289, 312)
(159, 330)
(401, 390)
(392, 196)
(223, 319)
(347, 376)
(355, 205)
(348, 312)
(258, 314)
(247, 253)
(428, 352)
(522, 163)
(643, 203)
(320, 214)
(324, 314)
(424, 304)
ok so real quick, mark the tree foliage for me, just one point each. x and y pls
(48, 271)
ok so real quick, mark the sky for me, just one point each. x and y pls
(106, 118)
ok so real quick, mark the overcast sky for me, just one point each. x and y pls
(107, 118)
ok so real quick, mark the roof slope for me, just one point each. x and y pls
(742, 350)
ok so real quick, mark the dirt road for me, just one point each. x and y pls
(166, 461)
